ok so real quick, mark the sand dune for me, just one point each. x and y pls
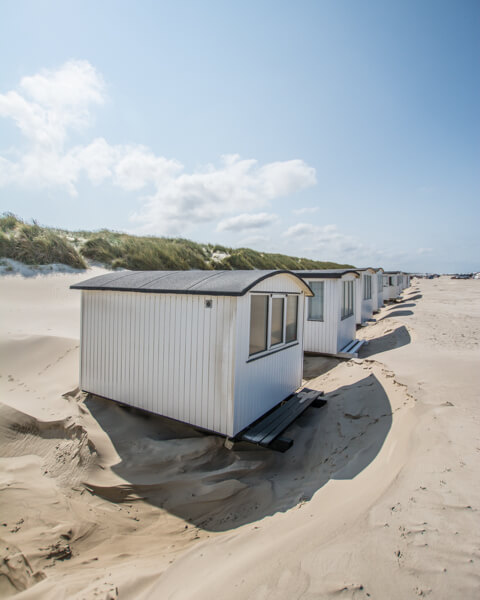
(378, 497)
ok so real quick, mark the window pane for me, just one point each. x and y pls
(315, 304)
(347, 300)
(258, 323)
(276, 336)
(292, 312)
(367, 287)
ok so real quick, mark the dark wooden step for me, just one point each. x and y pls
(266, 429)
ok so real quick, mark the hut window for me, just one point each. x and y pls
(347, 299)
(367, 287)
(273, 321)
(276, 334)
(292, 312)
(315, 303)
(385, 282)
(258, 323)
(390, 281)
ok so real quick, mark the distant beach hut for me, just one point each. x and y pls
(377, 289)
(391, 289)
(330, 313)
(216, 349)
(405, 280)
(364, 301)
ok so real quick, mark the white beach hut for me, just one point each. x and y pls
(216, 349)
(405, 280)
(364, 295)
(377, 291)
(390, 285)
(329, 315)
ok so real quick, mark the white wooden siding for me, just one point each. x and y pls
(378, 293)
(333, 333)
(363, 308)
(367, 309)
(347, 329)
(262, 383)
(165, 353)
(357, 303)
(390, 292)
(321, 336)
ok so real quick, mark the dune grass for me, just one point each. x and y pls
(36, 245)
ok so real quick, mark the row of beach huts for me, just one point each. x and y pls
(219, 349)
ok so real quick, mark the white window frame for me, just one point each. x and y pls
(284, 324)
(309, 318)
(272, 348)
(367, 278)
(348, 284)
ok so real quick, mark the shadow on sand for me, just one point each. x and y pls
(193, 476)
(403, 304)
(389, 341)
(397, 313)
(414, 297)
(316, 365)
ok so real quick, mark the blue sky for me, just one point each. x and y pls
(337, 130)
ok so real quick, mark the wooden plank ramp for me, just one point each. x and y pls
(266, 430)
(351, 349)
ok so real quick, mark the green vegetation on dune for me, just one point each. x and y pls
(36, 245)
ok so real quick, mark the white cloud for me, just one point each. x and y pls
(326, 242)
(215, 192)
(54, 102)
(49, 106)
(306, 210)
(422, 251)
(247, 221)
(317, 232)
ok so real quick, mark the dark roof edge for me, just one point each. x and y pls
(280, 272)
(103, 288)
(320, 275)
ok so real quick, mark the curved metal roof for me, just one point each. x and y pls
(211, 283)
(326, 273)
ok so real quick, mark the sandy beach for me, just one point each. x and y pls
(378, 498)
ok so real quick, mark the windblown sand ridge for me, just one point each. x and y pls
(377, 498)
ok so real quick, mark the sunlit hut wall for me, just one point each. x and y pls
(330, 314)
(377, 289)
(390, 285)
(364, 295)
(405, 281)
(216, 349)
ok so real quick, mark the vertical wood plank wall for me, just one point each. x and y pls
(165, 353)
(347, 329)
(363, 308)
(390, 291)
(377, 291)
(321, 336)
